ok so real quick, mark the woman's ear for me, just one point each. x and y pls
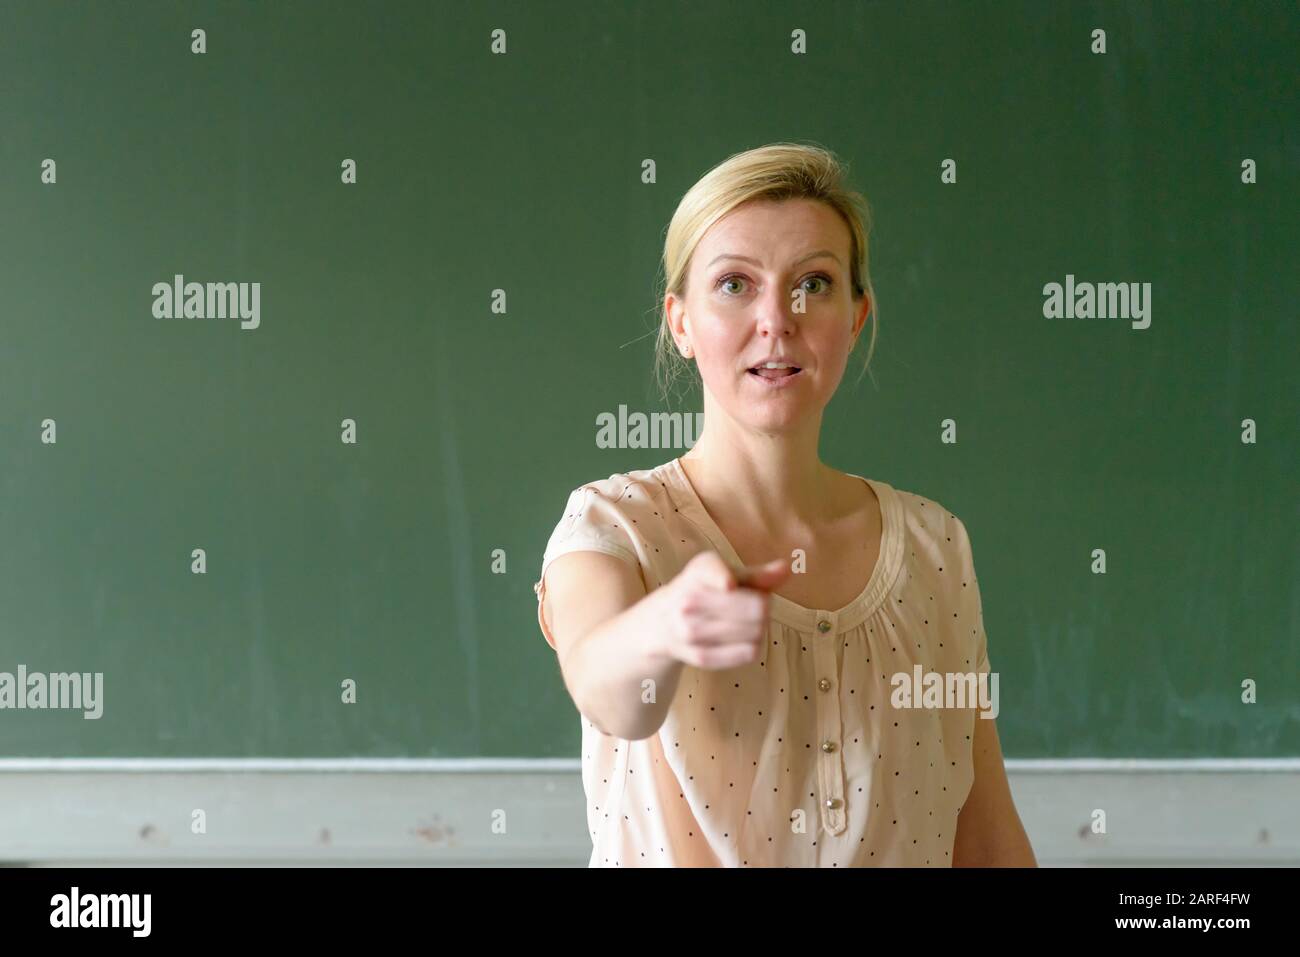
(863, 308)
(678, 328)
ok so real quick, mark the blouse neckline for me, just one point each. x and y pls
(830, 621)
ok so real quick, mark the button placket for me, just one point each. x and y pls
(830, 759)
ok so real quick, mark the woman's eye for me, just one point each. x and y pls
(825, 279)
(726, 280)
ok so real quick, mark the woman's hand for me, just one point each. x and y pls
(716, 618)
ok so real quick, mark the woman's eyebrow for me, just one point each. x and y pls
(797, 262)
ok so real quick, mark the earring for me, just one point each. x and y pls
(686, 351)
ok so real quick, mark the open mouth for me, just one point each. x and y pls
(774, 374)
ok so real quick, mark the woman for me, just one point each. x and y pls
(736, 713)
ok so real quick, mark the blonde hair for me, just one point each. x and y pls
(774, 172)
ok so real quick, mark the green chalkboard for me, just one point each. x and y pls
(479, 170)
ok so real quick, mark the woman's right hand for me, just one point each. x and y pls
(714, 617)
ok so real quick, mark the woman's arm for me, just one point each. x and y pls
(989, 832)
(612, 637)
(606, 631)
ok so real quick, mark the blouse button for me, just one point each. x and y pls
(828, 746)
(824, 684)
(823, 626)
(833, 803)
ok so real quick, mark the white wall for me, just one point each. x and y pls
(440, 812)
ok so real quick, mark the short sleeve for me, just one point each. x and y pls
(971, 612)
(592, 522)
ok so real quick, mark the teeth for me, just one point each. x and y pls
(774, 365)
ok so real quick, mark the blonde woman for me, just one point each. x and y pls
(731, 624)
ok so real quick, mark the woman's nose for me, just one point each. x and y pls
(775, 315)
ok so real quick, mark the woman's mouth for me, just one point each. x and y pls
(775, 378)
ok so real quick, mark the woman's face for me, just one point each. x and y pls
(770, 279)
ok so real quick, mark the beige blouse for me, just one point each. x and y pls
(800, 758)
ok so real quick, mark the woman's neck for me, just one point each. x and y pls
(770, 486)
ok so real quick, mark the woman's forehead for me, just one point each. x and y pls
(805, 226)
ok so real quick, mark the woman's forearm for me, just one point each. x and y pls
(619, 674)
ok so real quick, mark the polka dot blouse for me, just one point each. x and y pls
(798, 759)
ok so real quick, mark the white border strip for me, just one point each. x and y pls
(395, 811)
(573, 765)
